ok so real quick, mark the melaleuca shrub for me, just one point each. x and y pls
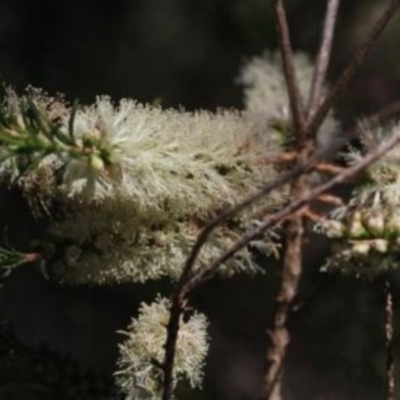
(123, 190)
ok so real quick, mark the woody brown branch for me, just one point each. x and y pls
(295, 98)
(176, 311)
(348, 73)
(323, 57)
(292, 266)
(294, 226)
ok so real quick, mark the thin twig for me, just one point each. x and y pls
(210, 270)
(389, 331)
(295, 98)
(349, 72)
(275, 384)
(323, 57)
(176, 311)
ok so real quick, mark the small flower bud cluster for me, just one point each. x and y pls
(366, 238)
(367, 233)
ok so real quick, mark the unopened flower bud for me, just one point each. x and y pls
(20, 122)
(42, 140)
(375, 222)
(96, 163)
(361, 248)
(380, 245)
(356, 228)
(334, 229)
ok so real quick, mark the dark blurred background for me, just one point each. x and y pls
(188, 52)
(184, 52)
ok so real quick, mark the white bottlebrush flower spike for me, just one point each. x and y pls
(265, 90)
(170, 156)
(266, 97)
(149, 181)
(142, 352)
